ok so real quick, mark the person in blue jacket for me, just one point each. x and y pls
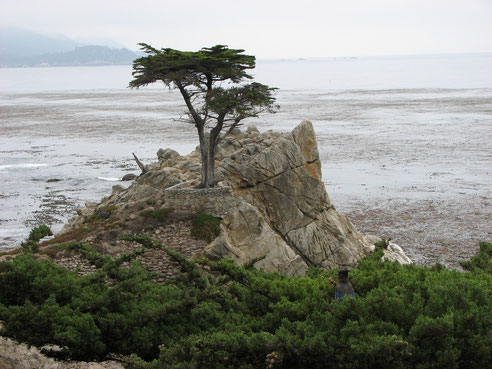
(343, 286)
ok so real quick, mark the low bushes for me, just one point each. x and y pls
(240, 317)
(205, 227)
(480, 261)
(31, 244)
(159, 215)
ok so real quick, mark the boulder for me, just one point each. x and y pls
(395, 253)
(135, 193)
(129, 177)
(164, 154)
(281, 177)
(252, 129)
(392, 251)
(163, 178)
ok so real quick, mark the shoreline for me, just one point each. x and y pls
(429, 231)
(417, 225)
(422, 177)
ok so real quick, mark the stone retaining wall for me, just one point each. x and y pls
(214, 201)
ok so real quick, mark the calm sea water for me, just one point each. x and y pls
(414, 128)
(372, 73)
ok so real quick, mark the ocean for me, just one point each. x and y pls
(405, 142)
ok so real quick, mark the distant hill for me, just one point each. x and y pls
(24, 43)
(21, 48)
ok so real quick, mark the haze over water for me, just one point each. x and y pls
(405, 142)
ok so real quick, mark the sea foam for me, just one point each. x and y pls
(22, 166)
(109, 179)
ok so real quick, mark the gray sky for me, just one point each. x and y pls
(275, 28)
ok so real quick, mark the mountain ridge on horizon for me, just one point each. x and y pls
(25, 48)
(21, 47)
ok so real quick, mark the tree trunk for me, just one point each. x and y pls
(204, 155)
(200, 127)
(211, 163)
(212, 148)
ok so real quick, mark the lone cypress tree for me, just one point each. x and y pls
(212, 83)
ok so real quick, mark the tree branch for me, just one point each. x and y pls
(196, 117)
(140, 164)
(237, 123)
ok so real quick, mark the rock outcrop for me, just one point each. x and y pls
(15, 355)
(270, 196)
(392, 251)
(246, 235)
(281, 177)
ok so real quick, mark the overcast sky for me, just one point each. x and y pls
(268, 28)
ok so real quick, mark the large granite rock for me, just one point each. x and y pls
(275, 203)
(281, 177)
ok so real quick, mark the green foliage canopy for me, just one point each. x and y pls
(31, 243)
(212, 82)
(191, 68)
(205, 227)
(240, 317)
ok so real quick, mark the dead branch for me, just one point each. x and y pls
(140, 165)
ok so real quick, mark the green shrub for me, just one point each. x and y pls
(160, 215)
(43, 303)
(30, 245)
(205, 227)
(236, 317)
(384, 243)
(39, 232)
(481, 261)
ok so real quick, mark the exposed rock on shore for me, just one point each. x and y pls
(15, 355)
(281, 177)
(392, 252)
(270, 197)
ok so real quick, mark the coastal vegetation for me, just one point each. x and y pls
(212, 84)
(159, 215)
(216, 314)
(205, 227)
(31, 244)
